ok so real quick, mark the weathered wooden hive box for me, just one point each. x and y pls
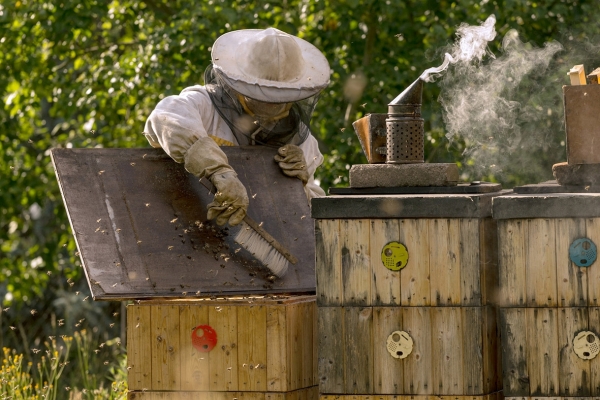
(266, 347)
(207, 321)
(549, 294)
(436, 294)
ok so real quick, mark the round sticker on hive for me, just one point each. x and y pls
(394, 256)
(204, 338)
(399, 344)
(583, 252)
(586, 345)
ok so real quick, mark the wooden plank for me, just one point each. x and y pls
(444, 261)
(470, 273)
(574, 373)
(512, 235)
(385, 289)
(448, 373)
(488, 260)
(331, 349)
(541, 263)
(594, 326)
(166, 364)
(223, 365)
(388, 373)
(194, 364)
(306, 344)
(356, 265)
(571, 279)
(472, 320)
(328, 262)
(592, 226)
(492, 366)
(252, 348)
(358, 349)
(277, 358)
(418, 366)
(414, 279)
(139, 350)
(301, 344)
(294, 340)
(513, 334)
(542, 343)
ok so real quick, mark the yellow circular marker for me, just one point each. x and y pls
(394, 256)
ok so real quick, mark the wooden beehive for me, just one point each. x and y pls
(546, 298)
(266, 346)
(442, 297)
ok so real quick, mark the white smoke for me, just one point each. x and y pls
(471, 45)
(487, 105)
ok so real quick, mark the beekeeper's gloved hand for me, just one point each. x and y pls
(291, 161)
(230, 204)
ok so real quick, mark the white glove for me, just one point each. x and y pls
(291, 161)
(230, 204)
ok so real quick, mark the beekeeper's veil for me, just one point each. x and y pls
(265, 85)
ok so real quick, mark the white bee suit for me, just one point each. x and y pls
(179, 121)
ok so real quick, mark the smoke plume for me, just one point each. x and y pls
(471, 45)
(489, 104)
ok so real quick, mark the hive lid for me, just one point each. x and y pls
(420, 205)
(545, 204)
(139, 220)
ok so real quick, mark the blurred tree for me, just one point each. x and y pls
(87, 73)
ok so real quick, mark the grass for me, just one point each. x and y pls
(48, 381)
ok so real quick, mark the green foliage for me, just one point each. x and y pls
(88, 73)
(49, 381)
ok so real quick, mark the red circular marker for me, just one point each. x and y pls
(204, 338)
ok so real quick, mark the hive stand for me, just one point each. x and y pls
(442, 297)
(546, 298)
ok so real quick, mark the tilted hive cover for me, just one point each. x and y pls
(139, 220)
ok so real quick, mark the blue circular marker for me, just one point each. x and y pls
(583, 252)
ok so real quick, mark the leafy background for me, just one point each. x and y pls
(87, 73)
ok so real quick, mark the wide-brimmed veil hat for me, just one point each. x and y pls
(270, 65)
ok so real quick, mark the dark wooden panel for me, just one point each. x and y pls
(331, 349)
(551, 205)
(404, 206)
(461, 188)
(140, 224)
(358, 350)
(513, 327)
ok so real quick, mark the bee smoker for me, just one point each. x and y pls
(394, 145)
(396, 137)
(404, 127)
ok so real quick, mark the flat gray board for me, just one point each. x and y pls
(139, 220)
(404, 206)
(549, 205)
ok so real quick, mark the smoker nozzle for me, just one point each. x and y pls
(409, 101)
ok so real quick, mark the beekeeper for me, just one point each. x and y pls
(260, 89)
